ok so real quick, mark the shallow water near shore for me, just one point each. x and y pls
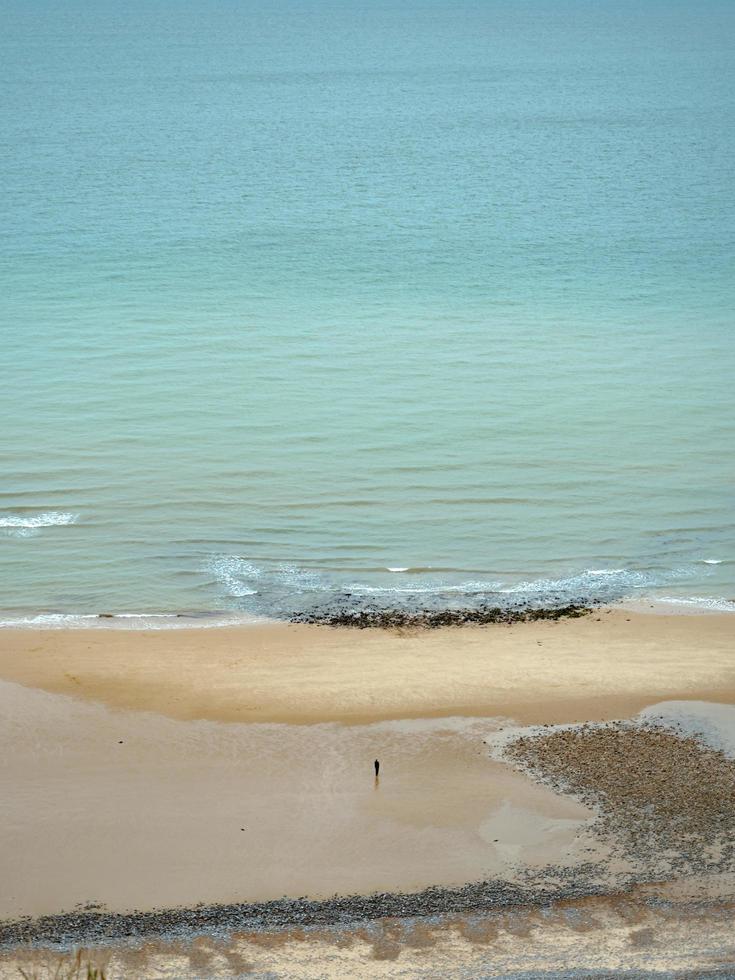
(299, 304)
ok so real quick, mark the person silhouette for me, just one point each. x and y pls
(377, 768)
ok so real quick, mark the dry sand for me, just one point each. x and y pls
(606, 665)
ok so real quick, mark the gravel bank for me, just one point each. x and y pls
(92, 925)
(665, 797)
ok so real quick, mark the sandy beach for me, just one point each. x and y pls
(162, 769)
(604, 665)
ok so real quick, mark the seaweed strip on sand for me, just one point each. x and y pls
(378, 618)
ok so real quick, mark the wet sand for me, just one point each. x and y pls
(608, 664)
(133, 810)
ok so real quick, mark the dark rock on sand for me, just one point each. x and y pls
(423, 618)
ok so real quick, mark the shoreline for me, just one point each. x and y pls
(352, 615)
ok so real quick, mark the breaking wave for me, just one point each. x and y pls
(26, 525)
(281, 590)
(126, 621)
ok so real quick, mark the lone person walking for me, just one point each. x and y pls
(377, 768)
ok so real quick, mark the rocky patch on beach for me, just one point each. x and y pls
(376, 617)
(666, 798)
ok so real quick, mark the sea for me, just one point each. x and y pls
(397, 304)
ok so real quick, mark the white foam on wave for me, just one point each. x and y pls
(233, 573)
(48, 518)
(277, 585)
(698, 602)
(27, 525)
(49, 621)
(592, 582)
(126, 621)
(463, 588)
(241, 577)
(711, 561)
(597, 582)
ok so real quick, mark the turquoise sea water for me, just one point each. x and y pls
(293, 294)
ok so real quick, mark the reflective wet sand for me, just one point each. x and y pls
(134, 810)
